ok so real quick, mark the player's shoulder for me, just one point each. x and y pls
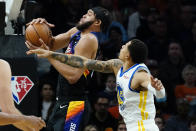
(3, 63)
(4, 67)
(89, 39)
(90, 36)
(142, 75)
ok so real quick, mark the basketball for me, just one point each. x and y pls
(36, 31)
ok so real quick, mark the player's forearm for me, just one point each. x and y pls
(20, 123)
(6, 118)
(74, 61)
(82, 62)
(59, 42)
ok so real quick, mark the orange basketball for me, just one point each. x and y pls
(36, 31)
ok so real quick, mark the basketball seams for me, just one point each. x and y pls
(36, 31)
(48, 33)
(46, 27)
(28, 37)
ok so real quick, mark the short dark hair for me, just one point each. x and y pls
(101, 95)
(138, 51)
(115, 28)
(104, 15)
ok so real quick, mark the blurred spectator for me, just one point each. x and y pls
(151, 20)
(158, 43)
(126, 8)
(173, 17)
(101, 117)
(115, 13)
(186, 17)
(179, 122)
(189, 44)
(188, 89)
(137, 18)
(112, 47)
(161, 5)
(91, 128)
(121, 126)
(110, 92)
(146, 30)
(153, 67)
(122, 29)
(170, 73)
(160, 122)
(192, 123)
(110, 89)
(47, 96)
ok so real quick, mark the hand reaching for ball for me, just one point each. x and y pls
(40, 20)
(39, 35)
(40, 53)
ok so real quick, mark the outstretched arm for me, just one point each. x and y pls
(109, 66)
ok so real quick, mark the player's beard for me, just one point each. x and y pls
(84, 26)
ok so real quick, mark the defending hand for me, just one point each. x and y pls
(157, 84)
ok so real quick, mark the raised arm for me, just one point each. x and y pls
(57, 42)
(109, 66)
(62, 40)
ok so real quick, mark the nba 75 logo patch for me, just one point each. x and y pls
(21, 85)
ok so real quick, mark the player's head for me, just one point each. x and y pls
(134, 50)
(97, 17)
(121, 126)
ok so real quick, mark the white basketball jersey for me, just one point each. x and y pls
(136, 107)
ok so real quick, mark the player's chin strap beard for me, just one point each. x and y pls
(84, 26)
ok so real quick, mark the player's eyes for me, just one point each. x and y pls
(90, 14)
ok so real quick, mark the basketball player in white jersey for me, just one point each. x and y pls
(9, 114)
(135, 86)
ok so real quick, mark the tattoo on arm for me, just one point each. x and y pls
(103, 66)
(82, 62)
(100, 66)
(74, 61)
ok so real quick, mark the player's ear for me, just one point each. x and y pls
(98, 22)
(127, 55)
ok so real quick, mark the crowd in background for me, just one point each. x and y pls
(168, 27)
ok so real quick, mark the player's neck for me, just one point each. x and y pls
(127, 65)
